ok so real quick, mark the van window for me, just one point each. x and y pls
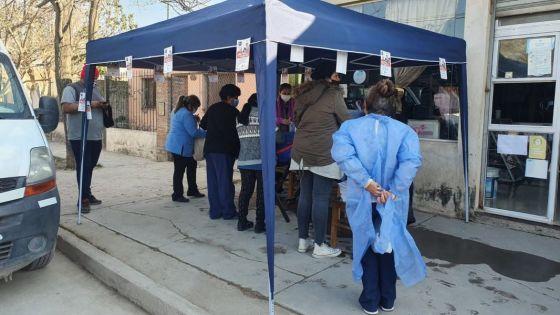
(13, 104)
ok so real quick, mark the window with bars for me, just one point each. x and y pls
(148, 93)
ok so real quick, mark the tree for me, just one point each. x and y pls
(185, 5)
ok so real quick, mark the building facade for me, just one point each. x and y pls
(514, 125)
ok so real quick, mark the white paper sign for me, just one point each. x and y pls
(159, 76)
(128, 62)
(442, 68)
(296, 54)
(241, 77)
(242, 53)
(536, 168)
(512, 144)
(341, 61)
(82, 102)
(386, 64)
(213, 74)
(88, 111)
(168, 60)
(539, 63)
(113, 71)
(284, 77)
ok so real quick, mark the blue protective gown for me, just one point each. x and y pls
(387, 151)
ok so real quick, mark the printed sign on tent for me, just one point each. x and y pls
(159, 76)
(341, 61)
(213, 74)
(242, 53)
(128, 62)
(385, 63)
(82, 102)
(296, 54)
(442, 68)
(168, 60)
(284, 77)
(241, 77)
(113, 71)
(88, 111)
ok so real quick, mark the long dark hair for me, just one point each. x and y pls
(186, 101)
(243, 117)
(381, 98)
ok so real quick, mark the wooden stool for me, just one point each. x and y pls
(339, 221)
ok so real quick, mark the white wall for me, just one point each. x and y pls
(132, 142)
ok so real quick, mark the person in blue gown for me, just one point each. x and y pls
(380, 157)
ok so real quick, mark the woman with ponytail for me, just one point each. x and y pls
(380, 156)
(180, 142)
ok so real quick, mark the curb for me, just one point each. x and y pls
(130, 283)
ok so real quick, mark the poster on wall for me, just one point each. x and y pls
(159, 75)
(512, 144)
(537, 147)
(442, 69)
(386, 64)
(307, 74)
(539, 56)
(128, 62)
(213, 74)
(242, 53)
(240, 77)
(168, 60)
(113, 71)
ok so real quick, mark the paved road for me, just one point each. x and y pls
(61, 288)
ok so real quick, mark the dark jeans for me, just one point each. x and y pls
(221, 191)
(379, 278)
(180, 163)
(314, 197)
(93, 151)
(248, 180)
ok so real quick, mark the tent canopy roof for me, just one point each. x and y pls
(208, 36)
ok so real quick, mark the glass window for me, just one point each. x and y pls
(12, 101)
(523, 103)
(526, 57)
(431, 106)
(518, 172)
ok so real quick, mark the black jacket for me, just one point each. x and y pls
(221, 131)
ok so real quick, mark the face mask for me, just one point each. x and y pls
(285, 98)
(234, 102)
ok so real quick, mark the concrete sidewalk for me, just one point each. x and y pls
(473, 268)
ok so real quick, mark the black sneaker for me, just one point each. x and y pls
(244, 225)
(196, 194)
(180, 199)
(260, 227)
(94, 201)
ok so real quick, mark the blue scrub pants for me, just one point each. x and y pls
(221, 191)
(379, 278)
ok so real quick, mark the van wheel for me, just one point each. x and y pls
(40, 262)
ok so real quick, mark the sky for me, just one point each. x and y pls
(147, 12)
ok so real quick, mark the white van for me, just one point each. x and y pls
(29, 200)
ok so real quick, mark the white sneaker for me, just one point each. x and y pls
(304, 245)
(371, 313)
(325, 250)
(387, 309)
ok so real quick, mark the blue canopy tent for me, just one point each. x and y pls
(208, 37)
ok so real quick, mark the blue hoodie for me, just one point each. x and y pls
(387, 151)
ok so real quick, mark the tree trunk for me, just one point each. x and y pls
(93, 26)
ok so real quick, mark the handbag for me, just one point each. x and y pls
(198, 150)
(108, 121)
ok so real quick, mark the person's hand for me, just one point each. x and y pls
(98, 104)
(285, 122)
(385, 196)
(374, 189)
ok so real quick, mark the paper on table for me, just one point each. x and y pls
(296, 54)
(512, 144)
(536, 168)
(341, 61)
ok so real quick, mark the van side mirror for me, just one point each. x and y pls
(47, 113)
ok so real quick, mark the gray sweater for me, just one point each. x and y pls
(250, 151)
